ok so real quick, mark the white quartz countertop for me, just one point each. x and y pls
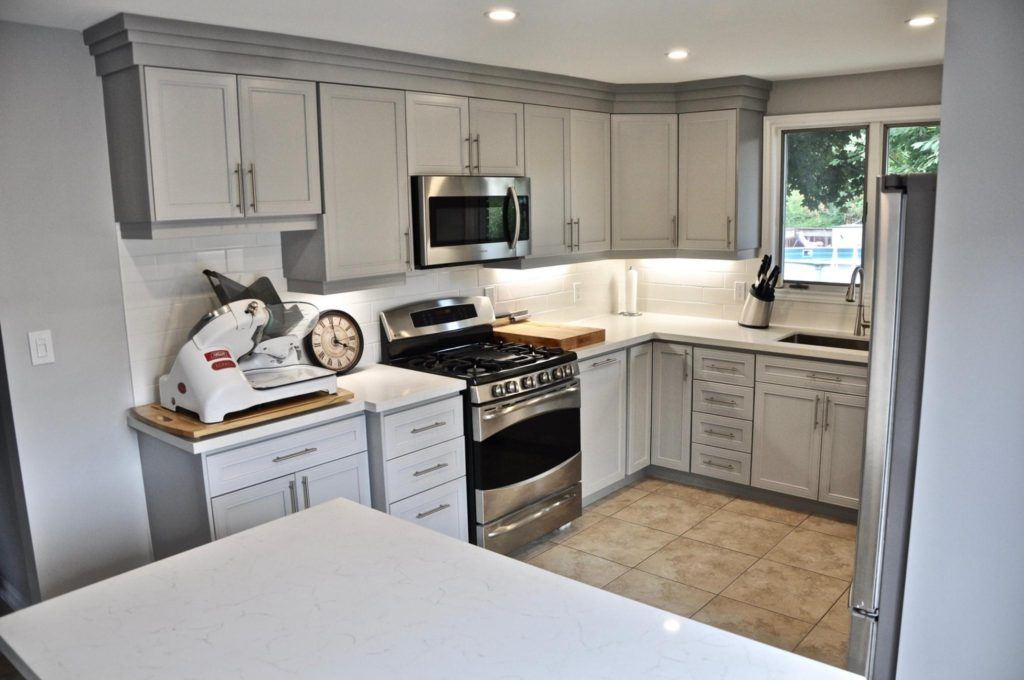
(624, 331)
(377, 388)
(343, 591)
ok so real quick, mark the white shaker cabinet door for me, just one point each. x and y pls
(787, 439)
(547, 166)
(254, 505)
(672, 398)
(280, 146)
(498, 145)
(638, 432)
(645, 165)
(366, 181)
(195, 158)
(707, 180)
(438, 134)
(344, 478)
(591, 180)
(603, 421)
(842, 449)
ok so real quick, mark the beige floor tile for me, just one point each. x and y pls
(532, 549)
(660, 592)
(827, 525)
(613, 502)
(825, 645)
(584, 521)
(665, 513)
(650, 484)
(825, 554)
(765, 511)
(838, 617)
(753, 622)
(739, 532)
(694, 495)
(783, 589)
(579, 566)
(697, 564)
(619, 541)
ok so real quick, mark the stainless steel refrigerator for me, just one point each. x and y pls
(902, 276)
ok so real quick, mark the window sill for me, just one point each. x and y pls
(819, 296)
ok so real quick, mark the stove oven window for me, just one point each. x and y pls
(527, 449)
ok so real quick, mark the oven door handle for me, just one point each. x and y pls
(532, 401)
(489, 420)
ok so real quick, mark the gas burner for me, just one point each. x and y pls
(486, 360)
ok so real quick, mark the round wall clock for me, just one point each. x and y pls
(336, 341)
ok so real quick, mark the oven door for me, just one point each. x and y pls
(470, 219)
(525, 449)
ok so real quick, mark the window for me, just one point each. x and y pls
(820, 185)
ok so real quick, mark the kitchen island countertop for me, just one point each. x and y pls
(343, 591)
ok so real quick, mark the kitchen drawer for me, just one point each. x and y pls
(721, 463)
(415, 472)
(720, 399)
(248, 465)
(442, 509)
(816, 375)
(716, 365)
(423, 426)
(725, 433)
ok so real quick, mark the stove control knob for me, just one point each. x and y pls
(527, 382)
(511, 387)
(543, 377)
(557, 373)
(498, 391)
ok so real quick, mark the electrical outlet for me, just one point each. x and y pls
(40, 345)
(492, 294)
(577, 292)
(739, 291)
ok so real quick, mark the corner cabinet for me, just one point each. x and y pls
(603, 412)
(638, 396)
(590, 150)
(720, 181)
(672, 398)
(645, 168)
(365, 227)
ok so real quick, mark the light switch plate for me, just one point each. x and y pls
(739, 291)
(40, 345)
(577, 292)
(492, 294)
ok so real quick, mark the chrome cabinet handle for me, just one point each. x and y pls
(723, 402)
(469, 155)
(828, 403)
(569, 240)
(241, 186)
(305, 489)
(417, 430)
(686, 366)
(603, 363)
(728, 231)
(708, 461)
(428, 513)
(723, 369)
(294, 496)
(675, 231)
(577, 223)
(817, 376)
(303, 452)
(817, 399)
(476, 140)
(723, 435)
(252, 179)
(439, 466)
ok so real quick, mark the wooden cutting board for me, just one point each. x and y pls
(550, 335)
(187, 425)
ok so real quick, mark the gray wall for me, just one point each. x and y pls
(964, 606)
(59, 270)
(878, 90)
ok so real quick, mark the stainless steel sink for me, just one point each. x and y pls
(861, 344)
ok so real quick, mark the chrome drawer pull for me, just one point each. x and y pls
(723, 402)
(723, 369)
(723, 435)
(602, 363)
(439, 466)
(818, 376)
(718, 465)
(428, 513)
(417, 430)
(303, 452)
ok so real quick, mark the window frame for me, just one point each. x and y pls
(876, 121)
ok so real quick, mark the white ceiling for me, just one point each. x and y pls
(620, 41)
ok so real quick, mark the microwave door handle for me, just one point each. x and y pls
(504, 217)
(519, 217)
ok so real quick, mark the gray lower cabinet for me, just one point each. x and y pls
(787, 439)
(603, 385)
(639, 398)
(842, 449)
(365, 227)
(672, 396)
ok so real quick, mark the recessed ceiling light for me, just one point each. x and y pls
(678, 54)
(921, 21)
(501, 15)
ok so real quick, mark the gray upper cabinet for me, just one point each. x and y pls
(644, 181)
(591, 180)
(548, 167)
(497, 133)
(278, 121)
(720, 181)
(438, 134)
(366, 193)
(193, 144)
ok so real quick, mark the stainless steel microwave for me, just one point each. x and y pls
(459, 220)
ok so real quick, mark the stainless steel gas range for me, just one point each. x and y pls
(522, 408)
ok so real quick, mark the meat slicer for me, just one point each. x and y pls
(244, 354)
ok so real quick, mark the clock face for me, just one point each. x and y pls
(336, 342)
